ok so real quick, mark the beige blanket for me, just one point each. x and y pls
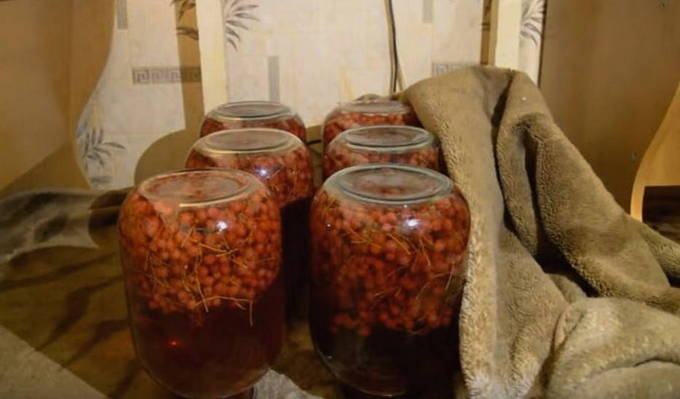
(566, 295)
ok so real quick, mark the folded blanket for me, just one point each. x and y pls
(547, 241)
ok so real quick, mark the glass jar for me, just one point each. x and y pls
(381, 144)
(254, 114)
(282, 162)
(368, 112)
(387, 269)
(201, 254)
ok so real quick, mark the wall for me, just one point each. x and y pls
(52, 57)
(120, 85)
(313, 55)
(141, 100)
(660, 166)
(609, 71)
(34, 82)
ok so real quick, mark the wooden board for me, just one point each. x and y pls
(660, 165)
(52, 56)
(610, 69)
(34, 82)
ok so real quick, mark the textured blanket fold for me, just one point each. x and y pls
(547, 238)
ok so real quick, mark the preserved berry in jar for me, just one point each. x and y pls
(201, 255)
(282, 162)
(254, 114)
(381, 144)
(387, 269)
(374, 111)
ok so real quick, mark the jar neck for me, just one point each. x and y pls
(250, 111)
(375, 106)
(390, 184)
(386, 138)
(198, 187)
(248, 142)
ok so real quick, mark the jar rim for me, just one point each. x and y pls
(249, 110)
(247, 141)
(173, 194)
(429, 183)
(413, 138)
(378, 105)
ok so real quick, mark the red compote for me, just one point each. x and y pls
(381, 144)
(201, 254)
(282, 162)
(387, 270)
(254, 114)
(369, 112)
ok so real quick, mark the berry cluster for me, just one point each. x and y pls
(339, 156)
(287, 175)
(342, 119)
(400, 267)
(192, 257)
(292, 124)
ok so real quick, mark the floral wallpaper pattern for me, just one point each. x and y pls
(531, 34)
(96, 154)
(236, 15)
(533, 12)
(97, 150)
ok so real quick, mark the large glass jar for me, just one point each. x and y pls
(282, 162)
(381, 144)
(368, 112)
(387, 269)
(254, 114)
(201, 254)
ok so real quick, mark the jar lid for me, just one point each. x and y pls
(376, 106)
(250, 110)
(198, 186)
(247, 141)
(391, 184)
(386, 137)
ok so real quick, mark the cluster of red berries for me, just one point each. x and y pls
(396, 266)
(287, 175)
(342, 119)
(193, 257)
(292, 124)
(339, 156)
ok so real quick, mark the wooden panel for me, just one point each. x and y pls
(34, 82)
(609, 71)
(660, 165)
(51, 61)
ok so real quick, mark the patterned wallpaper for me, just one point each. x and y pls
(309, 54)
(531, 36)
(138, 98)
(314, 54)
